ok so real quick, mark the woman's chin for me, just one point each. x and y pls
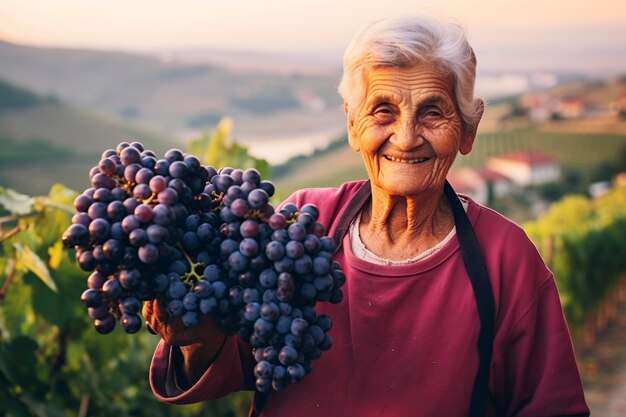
(404, 187)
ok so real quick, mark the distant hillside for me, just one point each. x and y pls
(43, 141)
(12, 97)
(328, 167)
(171, 95)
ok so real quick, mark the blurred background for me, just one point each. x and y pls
(257, 82)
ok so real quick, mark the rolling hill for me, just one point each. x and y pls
(47, 141)
(173, 96)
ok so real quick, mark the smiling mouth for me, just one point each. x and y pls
(405, 161)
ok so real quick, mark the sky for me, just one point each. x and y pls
(282, 25)
(318, 28)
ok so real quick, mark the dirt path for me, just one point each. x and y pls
(603, 369)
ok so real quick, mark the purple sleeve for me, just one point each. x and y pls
(230, 372)
(536, 370)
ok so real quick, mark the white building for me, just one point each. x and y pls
(526, 168)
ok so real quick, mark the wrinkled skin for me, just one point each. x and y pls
(198, 345)
(408, 131)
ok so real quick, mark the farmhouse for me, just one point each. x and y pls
(482, 184)
(526, 168)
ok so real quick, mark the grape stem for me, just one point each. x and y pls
(294, 218)
(219, 198)
(84, 405)
(4, 236)
(256, 215)
(8, 279)
(192, 276)
(150, 199)
(15, 217)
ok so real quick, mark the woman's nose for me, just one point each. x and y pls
(407, 136)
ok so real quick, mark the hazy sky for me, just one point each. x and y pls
(292, 25)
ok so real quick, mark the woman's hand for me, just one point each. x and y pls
(199, 345)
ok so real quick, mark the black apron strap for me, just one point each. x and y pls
(479, 277)
(257, 403)
(477, 271)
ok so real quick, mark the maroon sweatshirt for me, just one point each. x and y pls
(405, 336)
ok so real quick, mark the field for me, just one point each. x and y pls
(52, 143)
(579, 152)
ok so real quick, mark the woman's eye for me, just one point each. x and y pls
(382, 110)
(434, 113)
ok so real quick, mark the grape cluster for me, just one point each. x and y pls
(128, 227)
(205, 241)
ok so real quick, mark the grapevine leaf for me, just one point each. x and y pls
(40, 408)
(214, 154)
(60, 195)
(17, 360)
(16, 312)
(32, 262)
(56, 252)
(15, 202)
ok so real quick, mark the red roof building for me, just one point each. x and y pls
(526, 168)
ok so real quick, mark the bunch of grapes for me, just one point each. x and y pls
(129, 225)
(283, 264)
(206, 241)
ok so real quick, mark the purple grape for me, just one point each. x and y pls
(257, 198)
(113, 249)
(91, 298)
(98, 312)
(175, 307)
(76, 234)
(178, 169)
(107, 166)
(97, 210)
(144, 175)
(274, 251)
(168, 196)
(143, 213)
(142, 192)
(82, 203)
(162, 167)
(112, 289)
(190, 319)
(130, 279)
(130, 172)
(190, 301)
(130, 155)
(268, 187)
(96, 280)
(163, 215)
(130, 223)
(130, 305)
(174, 155)
(203, 288)
(288, 355)
(100, 180)
(249, 247)
(105, 325)
(148, 253)
(138, 146)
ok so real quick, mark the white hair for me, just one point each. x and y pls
(406, 41)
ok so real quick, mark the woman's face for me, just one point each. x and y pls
(408, 129)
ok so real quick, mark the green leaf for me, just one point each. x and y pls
(15, 202)
(56, 252)
(33, 263)
(218, 150)
(40, 408)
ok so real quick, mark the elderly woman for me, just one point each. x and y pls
(448, 309)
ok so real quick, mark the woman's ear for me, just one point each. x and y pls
(469, 132)
(353, 139)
